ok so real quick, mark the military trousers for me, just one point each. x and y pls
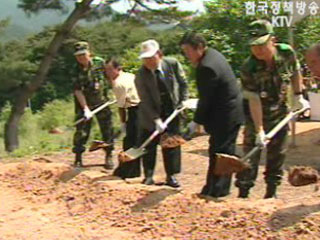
(83, 129)
(276, 153)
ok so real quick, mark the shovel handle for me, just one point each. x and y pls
(173, 115)
(249, 154)
(167, 121)
(96, 110)
(274, 131)
(284, 122)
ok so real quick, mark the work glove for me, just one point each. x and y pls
(124, 129)
(160, 125)
(299, 102)
(190, 103)
(184, 104)
(87, 113)
(261, 139)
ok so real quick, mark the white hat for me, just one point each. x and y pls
(149, 48)
(81, 51)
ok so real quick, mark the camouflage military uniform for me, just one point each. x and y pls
(95, 88)
(271, 86)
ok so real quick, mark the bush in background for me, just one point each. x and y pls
(56, 114)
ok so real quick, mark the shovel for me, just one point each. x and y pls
(134, 153)
(98, 109)
(228, 164)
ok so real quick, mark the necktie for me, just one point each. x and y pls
(160, 81)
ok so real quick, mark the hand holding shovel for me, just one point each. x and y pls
(134, 153)
(227, 164)
(95, 111)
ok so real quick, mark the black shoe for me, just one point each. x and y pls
(78, 160)
(271, 192)
(109, 163)
(77, 164)
(148, 181)
(172, 182)
(243, 193)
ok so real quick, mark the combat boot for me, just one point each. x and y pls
(78, 160)
(243, 193)
(271, 191)
(109, 162)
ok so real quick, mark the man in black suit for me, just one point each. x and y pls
(313, 60)
(162, 87)
(219, 108)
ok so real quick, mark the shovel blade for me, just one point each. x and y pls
(68, 175)
(227, 164)
(131, 154)
(96, 145)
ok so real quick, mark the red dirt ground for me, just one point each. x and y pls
(38, 201)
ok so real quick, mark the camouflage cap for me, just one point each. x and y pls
(81, 47)
(260, 31)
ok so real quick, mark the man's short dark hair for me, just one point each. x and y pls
(115, 62)
(193, 39)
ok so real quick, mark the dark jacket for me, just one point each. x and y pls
(220, 98)
(150, 105)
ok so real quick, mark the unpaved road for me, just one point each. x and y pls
(35, 204)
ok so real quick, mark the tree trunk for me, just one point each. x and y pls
(12, 125)
(11, 140)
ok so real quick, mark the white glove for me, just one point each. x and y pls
(124, 129)
(184, 104)
(87, 113)
(190, 103)
(160, 126)
(261, 139)
(299, 102)
(192, 128)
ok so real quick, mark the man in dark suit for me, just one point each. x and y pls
(219, 108)
(313, 60)
(162, 87)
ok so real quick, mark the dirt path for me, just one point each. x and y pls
(25, 219)
(34, 204)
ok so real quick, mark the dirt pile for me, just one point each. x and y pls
(157, 212)
(301, 176)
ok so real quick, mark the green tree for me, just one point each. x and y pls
(82, 9)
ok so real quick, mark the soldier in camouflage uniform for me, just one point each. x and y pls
(91, 90)
(266, 76)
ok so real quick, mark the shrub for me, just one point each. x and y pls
(56, 113)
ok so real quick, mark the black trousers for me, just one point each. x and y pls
(221, 141)
(130, 169)
(171, 156)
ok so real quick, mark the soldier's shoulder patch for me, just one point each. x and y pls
(98, 59)
(286, 50)
(284, 47)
